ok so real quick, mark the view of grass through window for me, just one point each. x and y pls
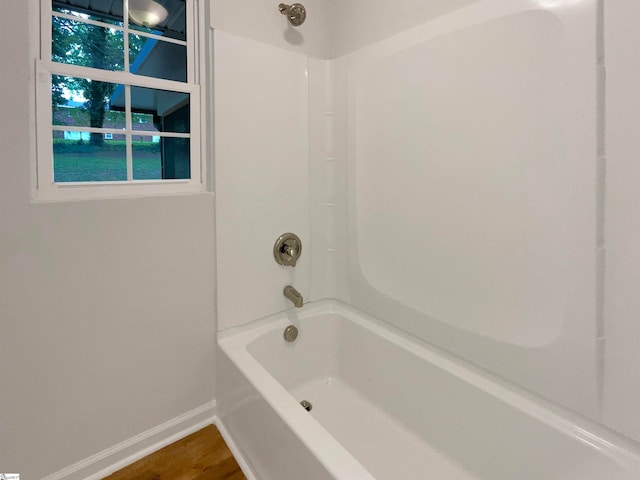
(80, 161)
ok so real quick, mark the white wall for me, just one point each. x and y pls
(260, 20)
(106, 307)
(622, 239)
(333, 27)
(353, 24)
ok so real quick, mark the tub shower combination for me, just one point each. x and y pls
(385, 407)
(326, 391)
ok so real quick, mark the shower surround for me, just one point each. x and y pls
(445, 171)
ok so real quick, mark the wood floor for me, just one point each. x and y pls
(202, 455)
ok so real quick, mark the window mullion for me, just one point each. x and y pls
(117, 77)
(125, 22)
(129, 128)
(45, 31)
(190, 42)
(88, 21)
(118, 131)
(141, 33)
(158, 37)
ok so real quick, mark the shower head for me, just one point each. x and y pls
(296, 13)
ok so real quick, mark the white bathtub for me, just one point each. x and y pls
(388, 408)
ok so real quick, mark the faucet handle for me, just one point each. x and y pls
(287, 249)
(291, 251)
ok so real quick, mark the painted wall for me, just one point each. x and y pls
(106, 307)
(354, 24)
(333, 27)
(260, 20)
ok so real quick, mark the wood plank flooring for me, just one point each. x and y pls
(202, 455)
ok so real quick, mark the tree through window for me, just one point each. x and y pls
(79, 43)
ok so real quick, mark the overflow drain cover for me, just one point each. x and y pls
(306, 405)
(290, 333)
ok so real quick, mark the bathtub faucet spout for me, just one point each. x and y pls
(293, 295)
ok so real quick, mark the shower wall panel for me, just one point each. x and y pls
(472, 173)
(261, 175)
(621, 330)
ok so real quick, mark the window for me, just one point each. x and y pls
(118, 99)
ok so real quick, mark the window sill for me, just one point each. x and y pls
(105, 190)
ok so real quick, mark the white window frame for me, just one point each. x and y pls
(45, 189)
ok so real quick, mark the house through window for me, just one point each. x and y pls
(122, 93)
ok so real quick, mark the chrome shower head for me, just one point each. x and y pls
(296, 13)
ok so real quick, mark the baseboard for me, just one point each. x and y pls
(119, 456)
(237, 453)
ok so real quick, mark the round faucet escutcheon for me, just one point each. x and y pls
(287, 249)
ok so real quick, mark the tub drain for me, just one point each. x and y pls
(306, 405)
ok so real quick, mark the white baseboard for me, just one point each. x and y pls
(119, 456)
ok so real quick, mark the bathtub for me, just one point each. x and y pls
(387, 407)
